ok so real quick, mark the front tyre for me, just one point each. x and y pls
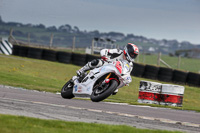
(67, 89)
(100, 93)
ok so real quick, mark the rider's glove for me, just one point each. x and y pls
(105, 58)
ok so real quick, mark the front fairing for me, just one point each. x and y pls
(85, 88)
(126, 67)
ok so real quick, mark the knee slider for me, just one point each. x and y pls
(94, 62)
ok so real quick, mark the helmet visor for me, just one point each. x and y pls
(131, 51)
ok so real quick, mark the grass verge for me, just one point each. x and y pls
(51, 76)
(21, 124)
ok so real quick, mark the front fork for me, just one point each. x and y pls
(108, 79)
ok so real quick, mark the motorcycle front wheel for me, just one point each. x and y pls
(101, 93)
(67, 89)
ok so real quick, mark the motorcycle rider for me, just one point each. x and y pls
(129, 53)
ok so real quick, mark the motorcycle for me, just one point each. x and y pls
(99, 83)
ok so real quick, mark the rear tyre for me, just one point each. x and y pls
(101, 93)
(67, 89)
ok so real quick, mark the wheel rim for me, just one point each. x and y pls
(68, 86)
(99, 89)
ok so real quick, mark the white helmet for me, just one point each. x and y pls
(131, 51)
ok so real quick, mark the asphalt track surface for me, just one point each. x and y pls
(44, 105)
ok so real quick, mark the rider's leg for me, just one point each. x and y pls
(89, 66)
(115, 92)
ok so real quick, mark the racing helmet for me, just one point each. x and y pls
(131, 51)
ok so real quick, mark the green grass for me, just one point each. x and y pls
(187, 64)
(20, 124)
(51, 76)
(34, 74)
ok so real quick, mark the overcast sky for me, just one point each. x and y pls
(159, 19)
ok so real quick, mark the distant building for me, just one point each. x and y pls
(194, 53)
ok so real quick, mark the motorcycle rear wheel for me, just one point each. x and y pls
(67, 89)
(106, 93)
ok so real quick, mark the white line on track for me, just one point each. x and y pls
(109, 112)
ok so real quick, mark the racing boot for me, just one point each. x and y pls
(82, 71)
(115, 92)
(90, 65)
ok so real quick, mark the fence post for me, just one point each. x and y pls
(51, 41)
(159, 56)
(117, 46)
(92, 49)
(138, 58)
(74, 41)
(28, 38)
(179, 61)
(143, 60)
(10, 36)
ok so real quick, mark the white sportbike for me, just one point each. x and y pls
(99, 83)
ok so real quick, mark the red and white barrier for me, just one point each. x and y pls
(149, 92)
(172, 95)
(157, 93)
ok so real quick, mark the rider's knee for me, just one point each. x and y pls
(94, 62)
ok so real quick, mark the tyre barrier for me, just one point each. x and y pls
(179, 77)
(172, 95)
(49, 55)
(23, 51)
(35, 53)
(151, 72)
(165, 74)
(78, 59)
(16, 50)
(64, 57)
(138, 70)
(193, 79)
(91, 57)
(149, 92)
(162, 94)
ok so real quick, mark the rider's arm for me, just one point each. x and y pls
(104, 52)
(131, 67)
(110, 53)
